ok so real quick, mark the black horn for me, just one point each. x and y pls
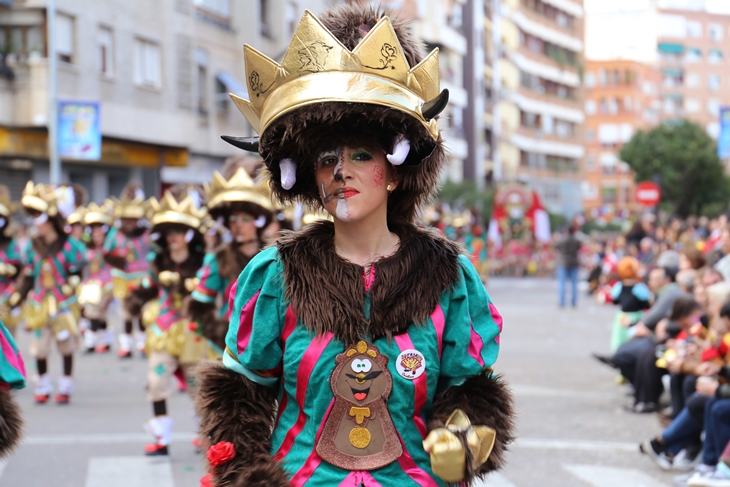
(250, 144)
(432, 108)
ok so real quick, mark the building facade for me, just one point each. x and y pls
(161, 72)
(539, 108)
(621, 97)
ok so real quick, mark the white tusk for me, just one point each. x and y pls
(288, 173)
(401, 147)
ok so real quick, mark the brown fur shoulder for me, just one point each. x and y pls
(235, 409)
(328, 293)
(11, 424)
(487, 401)
(231, 262)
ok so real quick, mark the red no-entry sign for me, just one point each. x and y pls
(648, 193)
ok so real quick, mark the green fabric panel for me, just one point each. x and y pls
(9, 374)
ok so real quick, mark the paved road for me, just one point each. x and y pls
(572, 430)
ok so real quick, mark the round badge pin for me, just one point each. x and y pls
(410, 364)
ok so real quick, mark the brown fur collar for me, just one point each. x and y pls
(231, 262)
(327, 293)
(11, 424)
(43, 249)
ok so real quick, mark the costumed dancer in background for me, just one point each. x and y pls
(50, 275)
(126, 248)
(75, 221)
(178, 253)
(10, 262)
(12, 376)
(245, 209)
(359, 350)
(96, 291)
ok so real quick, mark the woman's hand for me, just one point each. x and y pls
(675, 366)
(707, 387)
(706, 369)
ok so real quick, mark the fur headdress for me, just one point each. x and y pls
(353, 75)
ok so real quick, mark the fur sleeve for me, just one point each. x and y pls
(138, 297)
(214, 328)
(235, 409)
(11, 423)
(115, 261)
(487, 401)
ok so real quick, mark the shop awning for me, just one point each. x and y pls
(232, 84)
(673, 72)
(671, 48)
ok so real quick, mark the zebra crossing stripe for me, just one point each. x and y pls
(600, 476)
(129, 471)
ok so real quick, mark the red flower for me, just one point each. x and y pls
(192, 326)
(221, 453)
(205, 481)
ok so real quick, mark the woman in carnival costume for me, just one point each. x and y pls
(95, 294)
(178, 253)
(10, 262)
(12, 376)
(359, 350)
(47, 286)
(245, 209)
(126, 248)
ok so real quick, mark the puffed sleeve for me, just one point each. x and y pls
(75, 255)
(471, 330)
(12, 369)
(210, 282)
(110, 242)
(253, 345)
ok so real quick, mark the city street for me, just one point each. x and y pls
(572, 429)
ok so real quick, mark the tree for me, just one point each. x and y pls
(684, 159)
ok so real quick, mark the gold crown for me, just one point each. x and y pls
(99, 214)
(7, 207)
(129, 207)
(184, 212)
(318, 68)
(40, 197)
(240, 188)
(77, 216)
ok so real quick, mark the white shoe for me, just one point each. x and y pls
(681, 480)
(682, 463)
(43, 389)
(716, 478)
(160, 427)
(66, 385)
(661, 459)
(125, 345)
(89, 339)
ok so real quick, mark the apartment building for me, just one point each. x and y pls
(540, 103)
(621, 97)
(694, 62)
(161, 72)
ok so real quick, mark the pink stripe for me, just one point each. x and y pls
(231, 297)
(368, 279)
(420, 387)
(245, 324)
(310, 465)
(409, 466)
(437, 317)
(309, 360)
(356, 478)
(498, 320)
(475, 346)
(11, 356)
(290, 322)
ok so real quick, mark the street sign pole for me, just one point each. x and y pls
(53, 159)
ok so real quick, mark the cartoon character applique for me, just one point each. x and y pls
(359, 433)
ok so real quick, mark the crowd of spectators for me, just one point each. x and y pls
(670, 343)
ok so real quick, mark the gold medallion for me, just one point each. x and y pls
(360, 437)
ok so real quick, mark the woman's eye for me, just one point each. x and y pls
(362, 156)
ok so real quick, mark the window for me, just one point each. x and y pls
(590, 107)
(713, 107)
(693, 80)
(563, 128)
(693, 55)
(65, 38)
(218, 7)
(201, 60)
(627, 103)
(609, 194)
(691, 105)
(713, 82)
(106, 51)
(715, 32)
(530, 120)
(147, 63)
(590, 135)
(714, 56)
(591, 162)
(590, 80)
(548, 125)
(694, 29)
(264, 19)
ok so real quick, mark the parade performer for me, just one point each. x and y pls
(245, 209)
(170, 342)
(10, 262)
(126, 248)
(12, 376)
(75, 221)
(50, 275)
(95, 293)
(359, 350)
